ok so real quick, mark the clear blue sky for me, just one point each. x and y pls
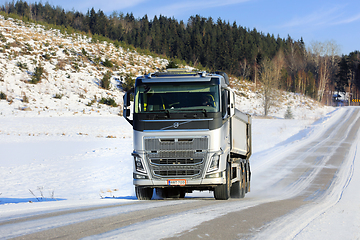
(313, 20)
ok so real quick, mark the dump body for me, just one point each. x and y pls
(241, 134)
(188, 135)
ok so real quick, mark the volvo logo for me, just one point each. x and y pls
(177, 124)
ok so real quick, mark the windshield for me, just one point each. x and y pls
(176, 98)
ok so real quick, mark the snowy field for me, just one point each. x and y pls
(85, 157)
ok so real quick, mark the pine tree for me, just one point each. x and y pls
(172, 64)
(288, 113)
(2, 95)
(105, 82)
(129, 82)
(36, 77)
(343, 75)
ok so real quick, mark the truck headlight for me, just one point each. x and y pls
(139, 166)
(214, 165)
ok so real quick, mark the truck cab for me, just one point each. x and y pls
(187, 135)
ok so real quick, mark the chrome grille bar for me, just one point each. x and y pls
(175, 157)
(175, 144)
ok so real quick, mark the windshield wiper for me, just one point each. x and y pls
(160, 110)
(205, 113)
(203, 110)
(166, 111)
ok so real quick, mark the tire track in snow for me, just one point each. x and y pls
(17, 228)
(292, 225)
(306, 158)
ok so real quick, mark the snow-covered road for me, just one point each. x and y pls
(327, 179)
(305, 179)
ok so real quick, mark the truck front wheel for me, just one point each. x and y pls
(222, 192)
(143, 193)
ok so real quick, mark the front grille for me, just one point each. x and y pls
(176, 170)
(168, 161)
(175, 144)
(176, 173)
(173, 157)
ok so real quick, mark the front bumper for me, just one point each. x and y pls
(193, 183)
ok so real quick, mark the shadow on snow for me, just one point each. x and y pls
(29, 200)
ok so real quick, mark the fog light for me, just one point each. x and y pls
(214, 175)
(138, 176)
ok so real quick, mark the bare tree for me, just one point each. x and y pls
(324, 61)
(269, 79)
(279, 63)
(244, 69)
(255, 73)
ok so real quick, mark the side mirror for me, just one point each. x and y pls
(127, 104)
(126, 112)
(127, 95)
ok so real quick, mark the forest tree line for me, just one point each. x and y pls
(317, 71)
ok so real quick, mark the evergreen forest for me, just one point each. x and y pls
(205, 43)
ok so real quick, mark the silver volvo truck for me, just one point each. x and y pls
(188, 135)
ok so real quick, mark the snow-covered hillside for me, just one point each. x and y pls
(73, 70)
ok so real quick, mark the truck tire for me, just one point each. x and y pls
(159, 192)
(238, 188)
(222, 192)
(182, 194)
(143, 193)
(248, 177)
